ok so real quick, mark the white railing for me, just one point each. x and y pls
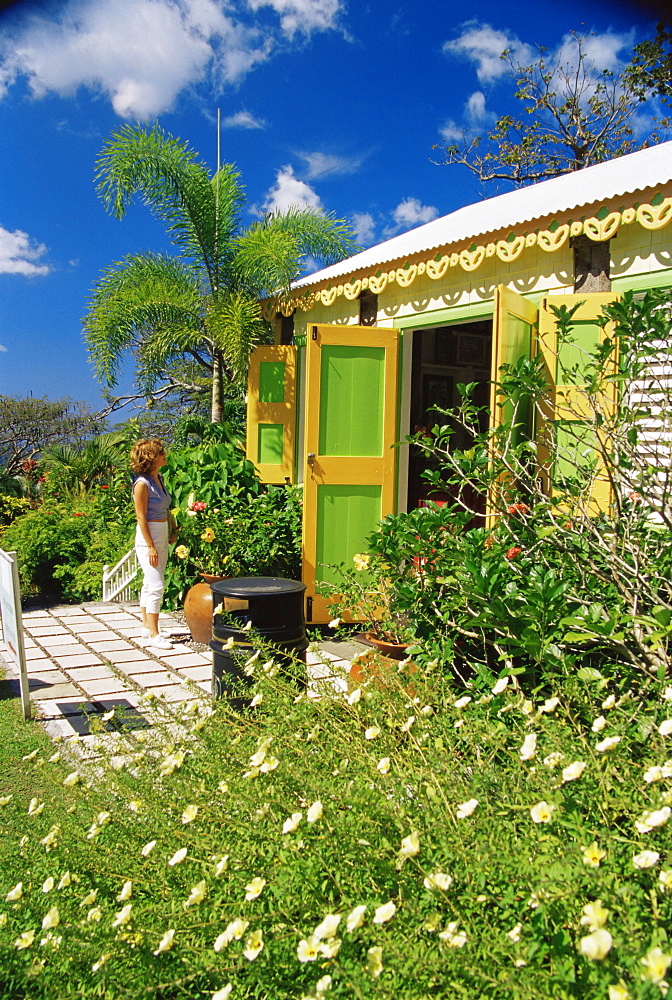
(117, 581)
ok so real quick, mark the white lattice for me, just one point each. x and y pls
(117, 581)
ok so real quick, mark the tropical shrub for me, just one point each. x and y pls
(401, 840)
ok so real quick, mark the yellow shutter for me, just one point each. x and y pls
(573, 429)
(271, 412)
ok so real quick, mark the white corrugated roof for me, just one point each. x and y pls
(627, 174)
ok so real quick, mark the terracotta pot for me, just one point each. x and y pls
(395, 650)
(198, 609)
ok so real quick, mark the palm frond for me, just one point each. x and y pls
(235, 324)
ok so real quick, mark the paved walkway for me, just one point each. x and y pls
(86, 659)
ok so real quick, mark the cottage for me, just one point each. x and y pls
(365, 347)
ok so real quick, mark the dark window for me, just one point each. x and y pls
(286, 329)
(368, 308)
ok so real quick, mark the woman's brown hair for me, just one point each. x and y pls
(143, 454)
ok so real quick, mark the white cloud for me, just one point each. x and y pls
(305, 16)
(364, 228)
(322, 164)
(243, 119)
(290, 192)
(143, 53)
(18, 254)
(482, 44)
(410, 212)
(3, 348)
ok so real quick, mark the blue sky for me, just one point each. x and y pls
(334, 103)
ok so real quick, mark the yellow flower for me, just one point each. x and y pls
(30, 756)
(361, 561)
(24, 940)
(542, 812)
(254, 888)
(384, 913)
(592, 855)
(51, 919)
(594, 915)
(307, 950)
(374, 961)
(355, 918)
(208, 535)
(5, 800)
(597, 945)
(655, 965)
(253, 945)
(465, 809)
(166, 942)
(197, 894)
(181, 551)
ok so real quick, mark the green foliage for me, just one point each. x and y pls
(403, 842)
(200, 307)
(29, 426)
(12, 507)
(650, 71)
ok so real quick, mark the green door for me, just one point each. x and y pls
(350, 461)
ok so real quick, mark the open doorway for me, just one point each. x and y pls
(442, 358)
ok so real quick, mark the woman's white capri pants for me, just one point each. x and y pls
(153, 584)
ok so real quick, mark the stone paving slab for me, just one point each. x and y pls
(78, 660)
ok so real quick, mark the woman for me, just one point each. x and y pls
(155, 531)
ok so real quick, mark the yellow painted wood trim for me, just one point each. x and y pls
(284, 413)
(469, 258)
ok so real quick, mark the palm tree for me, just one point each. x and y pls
(198, 311)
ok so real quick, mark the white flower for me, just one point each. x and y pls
(15, 893)
(667, 693)
(97, 966)
(166, 942)
(655, 965)
(542, 812)
(654, 773)
(597, 945)
(224, 993)
(48, 884)
(608, 744)
(35, 807)
(371, 733)
(550, 705)
(384, 913)
(72, 779)
(374, 961)
(323, 985)
(646, 859)
(383, 765)
(665, 728)
(573, 771)
(257, 700)
(233, 932)
(594, 915)
(463, 701)
(24, 940)
(189, 815)
(51, 919)
(354, 696)
(355, 918)
(328, 927)
(123, 916)
(501, 685)
(598, 724)
(649, 820)
(290, 824)
(221, 864)
(452, 937)
(410, 846)
(528, 749)
(126, 892)
(253, 945)
(148, 848)
(95, 915)
(618, 991)
(407, 725)
(171, 763)
(65, 880)
(334, 623)
(178, 857)
(439, 880)
(315, 812)
(90, 898)
(197, 894)
(527, 708)
(514, 934)
(307, 950)
(554, 759)
(609, 702)
(254, 888)
(665, 878)
(466, 808)
(5, 799)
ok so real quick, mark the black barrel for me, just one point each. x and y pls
(274, 608)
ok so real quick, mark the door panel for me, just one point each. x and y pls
(573, 429)
(271, 412)
(351, 427)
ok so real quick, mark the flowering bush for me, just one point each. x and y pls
(378, 843)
